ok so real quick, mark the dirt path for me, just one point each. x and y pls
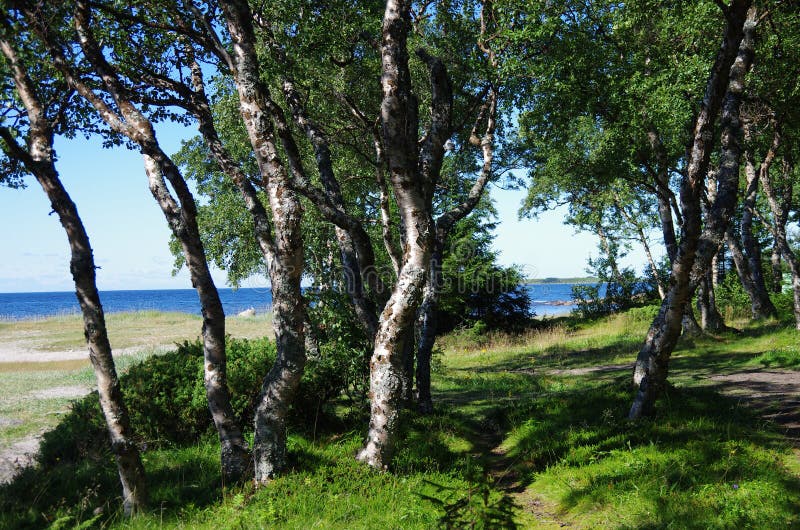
(774, 394)
(20, 352)
(499, 472)
(20, 455)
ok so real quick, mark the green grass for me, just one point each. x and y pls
(135, 329)
(517, 428)
(25, 397)
(145, 332)
(782, 357)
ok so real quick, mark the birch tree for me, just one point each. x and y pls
(103, 86)
(45, 111)
(697, 248)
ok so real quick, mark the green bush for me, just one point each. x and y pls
(81, 434)
(643, 314)
(159, 393)
(249, 362)
(731, 298)
(166, 397)
(784, 303)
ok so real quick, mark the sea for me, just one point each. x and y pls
(550, 299)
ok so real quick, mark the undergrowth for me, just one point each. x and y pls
(568, 454)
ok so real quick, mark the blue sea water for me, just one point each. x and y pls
(15, 306)
(548, 299)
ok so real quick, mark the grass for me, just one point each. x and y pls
(520, 431)
(27, 411)
(782, 357)
(25, 398)
(137, 329)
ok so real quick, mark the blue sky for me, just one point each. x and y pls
(129, 235)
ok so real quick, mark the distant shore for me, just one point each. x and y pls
(561, 281)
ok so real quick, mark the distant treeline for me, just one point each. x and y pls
(561, 280)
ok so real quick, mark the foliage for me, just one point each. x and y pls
(731, 298)
(476, 290)
(481, 506)
(618, 294)
(167, 402)
(706, 463)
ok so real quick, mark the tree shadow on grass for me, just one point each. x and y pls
(564, 358)
(683, 468)
(76, 491)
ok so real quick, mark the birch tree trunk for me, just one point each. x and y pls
(39, 160)
(412, 174)
(444, 225)
(280, 385)
(742, 265)
(652, 364)
(82, 267)
(181, 216)
(761, 305)
(665, 199)
(780, 207)
(710, 319)
(427, 325)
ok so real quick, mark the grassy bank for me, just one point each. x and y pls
(136, 329)
(528, 431)
(36, 394)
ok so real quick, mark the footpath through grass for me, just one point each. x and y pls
(526, 433)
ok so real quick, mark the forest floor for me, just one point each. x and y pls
(529, 431)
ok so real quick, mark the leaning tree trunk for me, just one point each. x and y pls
(710, 246)
(129, 463)
(286, 268)
(180, 214)
(82, 267)
(742, 265)
(710, 319)
(652, 364)
(234, 456)
(761, 305)
(444, 225)
(39, 159)
(427, 335)
(780, 207)
(689, 324)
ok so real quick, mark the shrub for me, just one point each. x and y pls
(622, 293)
(249, 362)
(643, 314)
(81, 434)
(731, 298)
(784, 303)
(167, 404)
(160, 394)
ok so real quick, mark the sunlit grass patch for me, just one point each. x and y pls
(783, 357)
(125, 330)
(701, 463)
(529, 409)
